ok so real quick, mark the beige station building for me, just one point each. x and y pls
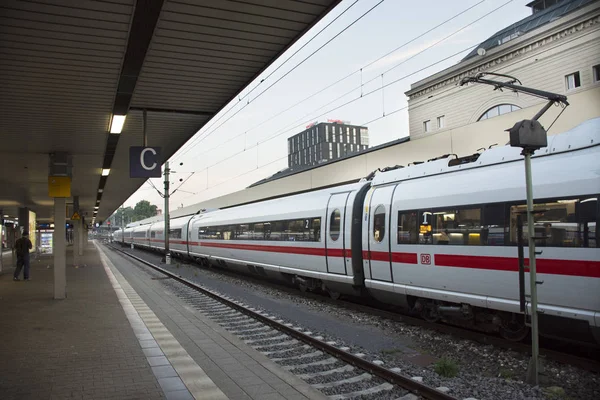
(554, 49)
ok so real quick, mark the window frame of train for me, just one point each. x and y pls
(289, 230)
(497, 223)
(335, 220)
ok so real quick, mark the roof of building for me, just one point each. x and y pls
(530, 23)
(298, 169)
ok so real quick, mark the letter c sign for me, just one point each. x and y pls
(144, 162)
(142, 154)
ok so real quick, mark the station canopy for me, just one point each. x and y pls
(66, 67)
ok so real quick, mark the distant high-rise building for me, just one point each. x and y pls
(326, 141)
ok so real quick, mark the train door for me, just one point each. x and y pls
(379, 233)
(334, 236)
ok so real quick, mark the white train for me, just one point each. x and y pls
(438, 238)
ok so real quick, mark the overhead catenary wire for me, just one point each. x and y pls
(207, 133)
(289, 58)
(360, 70)
(363, 95)
(339, 106)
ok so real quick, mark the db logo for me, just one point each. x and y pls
(426, 259)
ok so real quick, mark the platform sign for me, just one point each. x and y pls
(144, 162)
(75, 216)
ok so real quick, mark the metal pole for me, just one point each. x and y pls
(1, 247)
(122, 226)
(144, 130)
(166, 214)
(535, 349)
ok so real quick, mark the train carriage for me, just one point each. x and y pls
(446, 243)
(438, 238)
(306, 238)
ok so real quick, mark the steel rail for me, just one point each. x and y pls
(395, 378)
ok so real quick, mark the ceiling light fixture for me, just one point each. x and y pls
(105, 171)
(100, 190)
(116, 125)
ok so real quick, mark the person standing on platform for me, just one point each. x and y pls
(22, 247)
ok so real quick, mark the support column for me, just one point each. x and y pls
(82, 243)
(76, 229)
(60, 248)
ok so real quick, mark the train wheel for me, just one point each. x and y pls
(334, 295)
(303, 288)
(429, 312)
(513, 328)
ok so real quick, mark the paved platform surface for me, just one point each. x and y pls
(238, 370)
(120, 335)
(81, 347)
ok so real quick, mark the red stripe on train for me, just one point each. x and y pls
(406, 258)
(309, 251)
(543, 266)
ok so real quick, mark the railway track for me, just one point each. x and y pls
(331, 369)
(584, 356)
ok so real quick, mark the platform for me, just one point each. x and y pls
(119, 335)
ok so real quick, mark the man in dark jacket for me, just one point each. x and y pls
(22, 247)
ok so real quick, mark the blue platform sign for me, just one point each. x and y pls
(144, 162)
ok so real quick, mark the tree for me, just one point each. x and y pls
(122, 216)
(143, 209)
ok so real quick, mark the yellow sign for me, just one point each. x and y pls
(59, 186)
(75, 216)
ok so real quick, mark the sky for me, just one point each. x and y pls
(247, 140)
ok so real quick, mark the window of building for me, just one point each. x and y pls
(572, 81)
(379, 223)
(427, 126)
(364, 137)
(441, 122)
(498, 110)
(334, 224)
(596, 72)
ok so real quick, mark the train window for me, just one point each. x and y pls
(316, 229)
(174, 233)
(559, 223)
(455, 226)
(407, 227)
(258, 231)
(493, 225)
(153, 234)
(334, 225)
(379, 223)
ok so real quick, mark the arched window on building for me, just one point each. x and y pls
(498, 110)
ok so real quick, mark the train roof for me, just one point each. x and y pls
(587, 134)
